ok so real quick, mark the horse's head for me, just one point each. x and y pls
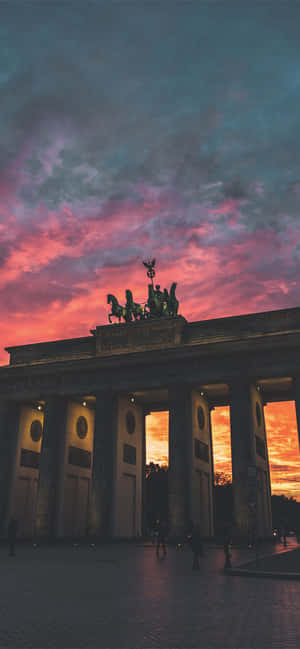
(108, 298)
(173, 288)
(128, 295)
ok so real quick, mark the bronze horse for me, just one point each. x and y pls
(138, 311)
(117, 310)
(172, 302)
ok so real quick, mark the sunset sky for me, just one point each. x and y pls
(134, 129)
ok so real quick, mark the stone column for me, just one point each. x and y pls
(102, 492)
(243, 452)
(212, 471)
(180, 440)
(9, 428)
(144, 495)
(297, 402)
(48, 488)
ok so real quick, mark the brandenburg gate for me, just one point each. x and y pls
(72, 418)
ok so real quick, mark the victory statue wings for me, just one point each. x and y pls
(149, 264)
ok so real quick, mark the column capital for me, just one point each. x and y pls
(179, 391)
(105, 390)
(105, 397)
(241, 382)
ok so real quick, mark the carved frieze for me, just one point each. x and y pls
(139, 336)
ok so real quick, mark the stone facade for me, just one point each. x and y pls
(84, 475)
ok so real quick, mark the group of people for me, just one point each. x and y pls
(192, 537)
(159, 534)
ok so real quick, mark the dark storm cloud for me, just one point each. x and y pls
(35, 291)
(5, 249)
(185, 99)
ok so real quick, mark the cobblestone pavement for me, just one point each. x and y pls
(121, 596)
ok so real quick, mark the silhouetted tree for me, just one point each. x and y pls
(222, 479)
(285, 511)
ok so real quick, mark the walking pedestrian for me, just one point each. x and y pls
(227, 547)
(285, 533)
(12, 535)
(161, 538)
(197, 547)
(155, 528)
(152, 536)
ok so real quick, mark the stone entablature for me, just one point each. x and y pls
(174, 332)
(52, 351)
(139, 336)
(252, 325)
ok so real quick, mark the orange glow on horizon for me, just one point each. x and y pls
(157, 438)
(283, 447)
(282, 438)
(220, 428)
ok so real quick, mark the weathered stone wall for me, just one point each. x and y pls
(128, 478)
(75, 486)
(23, 503)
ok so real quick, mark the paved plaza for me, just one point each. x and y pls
(120, 596)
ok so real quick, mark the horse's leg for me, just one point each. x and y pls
(109, 318)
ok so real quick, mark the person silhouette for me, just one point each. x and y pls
(197, 546)
(161, 538)
(160, 296)
(227, 548)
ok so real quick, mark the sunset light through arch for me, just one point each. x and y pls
(282, 439)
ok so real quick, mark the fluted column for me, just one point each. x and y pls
(48, 487)
(243, 452)
(9, 427)
(180, 440)
(102, 492)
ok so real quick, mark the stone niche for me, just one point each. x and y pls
(139, 336)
